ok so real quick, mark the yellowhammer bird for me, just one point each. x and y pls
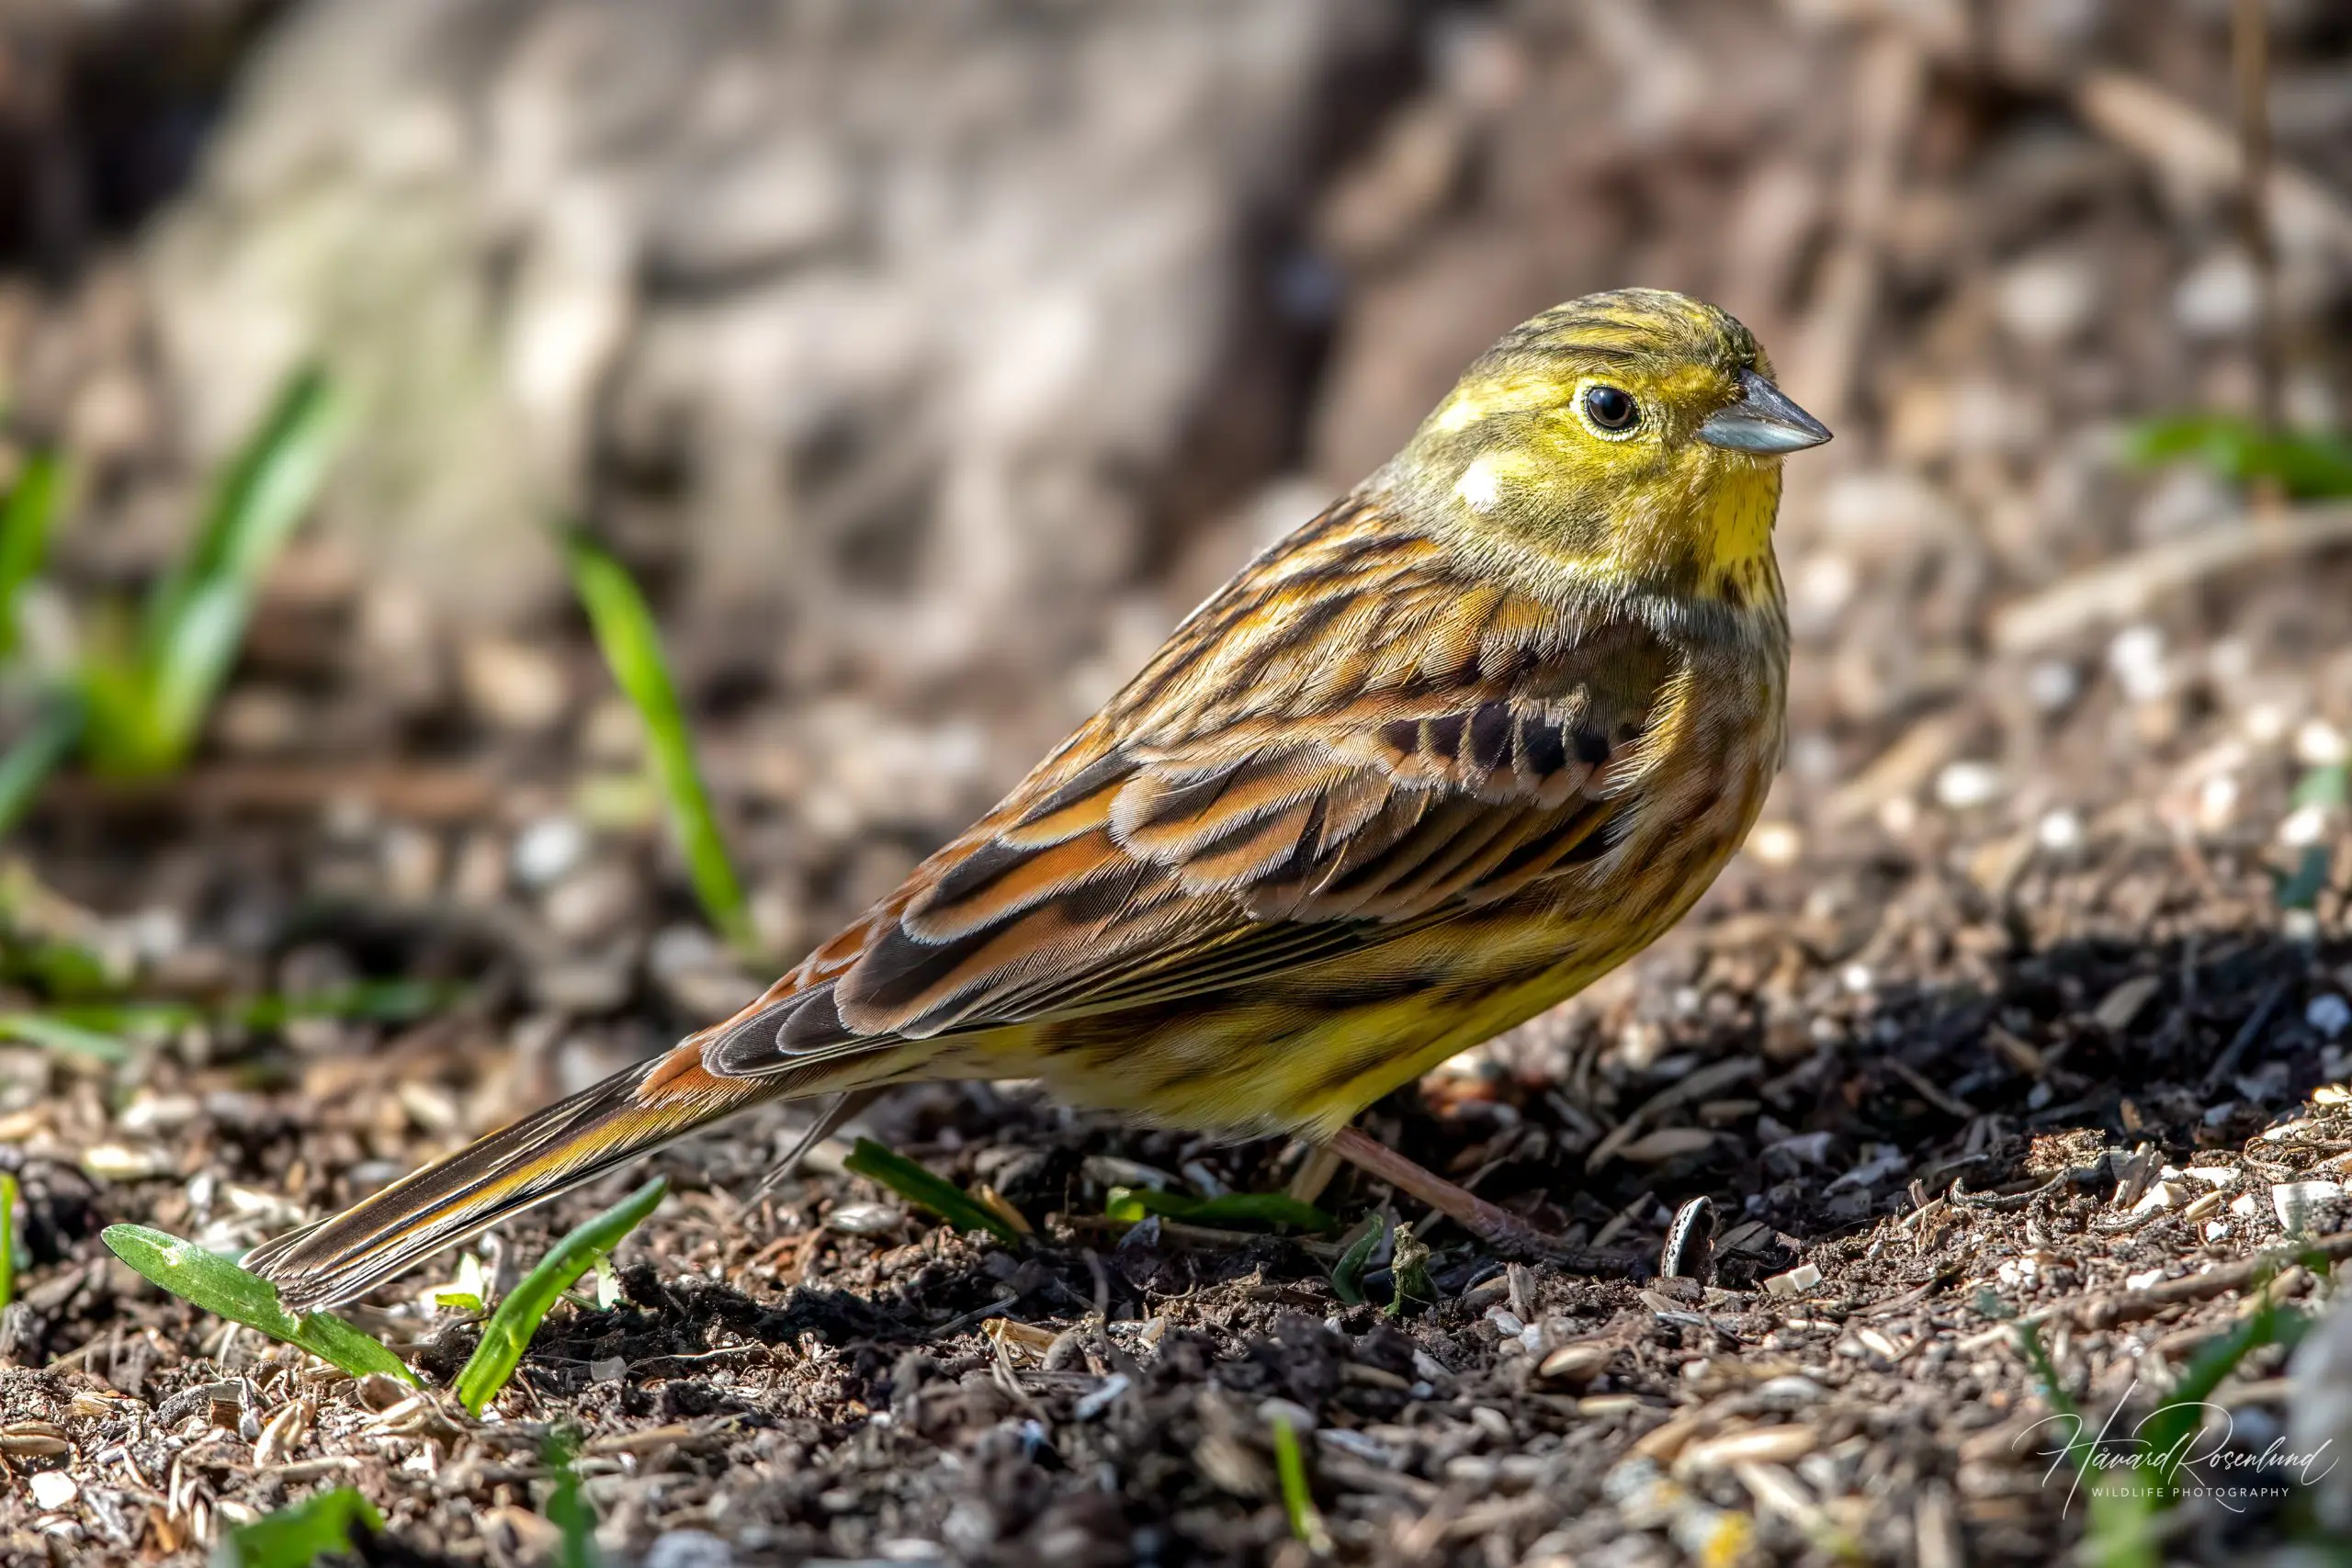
(1467, 740)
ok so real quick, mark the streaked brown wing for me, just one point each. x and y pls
(1346, 744)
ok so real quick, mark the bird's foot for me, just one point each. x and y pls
(1497, 1227)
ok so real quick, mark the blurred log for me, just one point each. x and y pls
(891, 335)
(1890, 74)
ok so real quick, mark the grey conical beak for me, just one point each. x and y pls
(1763, 421)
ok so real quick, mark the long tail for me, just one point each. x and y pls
(526, 1162)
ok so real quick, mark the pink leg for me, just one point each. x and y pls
(1498, 1229)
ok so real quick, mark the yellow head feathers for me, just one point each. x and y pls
(1633, 435)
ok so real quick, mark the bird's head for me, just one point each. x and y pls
(1630, 436)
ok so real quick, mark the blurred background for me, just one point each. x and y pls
(371, 372)
(921, 365)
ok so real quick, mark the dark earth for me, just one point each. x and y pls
(2027, 1004)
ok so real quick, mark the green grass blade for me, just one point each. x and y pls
(7, 1240)
(98, 1028)
(36, 753)
(52, 967)
(2323, 787)
(934, 1192)
(196, 620)
(52, 1032)
(259, 497)
(1132, 1203)
(296, 1537)
(2306, 465)
(508, 1333)
(188, 665)
(2183, 1409)
(566, 1509)
(2315, 869)
(2121, 1532)
(1298, 1502)
(1347, 1274)
(26, 518)
(632, 647)
(222, 1289)
(365, 1001)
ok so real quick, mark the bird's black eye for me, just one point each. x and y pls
(1611, 408)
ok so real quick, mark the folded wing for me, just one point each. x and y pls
(1343, 747)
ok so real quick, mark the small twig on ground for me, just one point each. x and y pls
(1900, 770)
(1314, 1174)
(2002, 1203)
(1933, 1093)
(1890, 76)
(2228, 1060)
(2201, 158)
(2120, 589)
(2250, 67)
(2095, 1313)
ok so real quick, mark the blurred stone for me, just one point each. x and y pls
(199, 966)
(592, 903)
(429, 1105)
(2216, 802)
(254, 720)
(696, 975)
(2304, 826)
(2319, 744)
(2045, 39)
(1997, 416)
(590, 982)
(866, 1219)
(2046, 302)
(413, 863)
(479, 876)
(1963, 786)
(778, 919)
(53, 1489)
(2309, 401)
(2136, 658)
(613, 733)
(622, 804)
(2052, 684)
(123, 1162)
(1776, 843)
(547, 850)
(1887, 510)
(113, 416)
(1920, 422)
(2218, 297)
(404, 658)
(2185, 497)
(2059, 830)
(880, 772)
(689, 1548)
(315, 969)
(512, 684)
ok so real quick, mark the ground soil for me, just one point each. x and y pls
(2027, 1001)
